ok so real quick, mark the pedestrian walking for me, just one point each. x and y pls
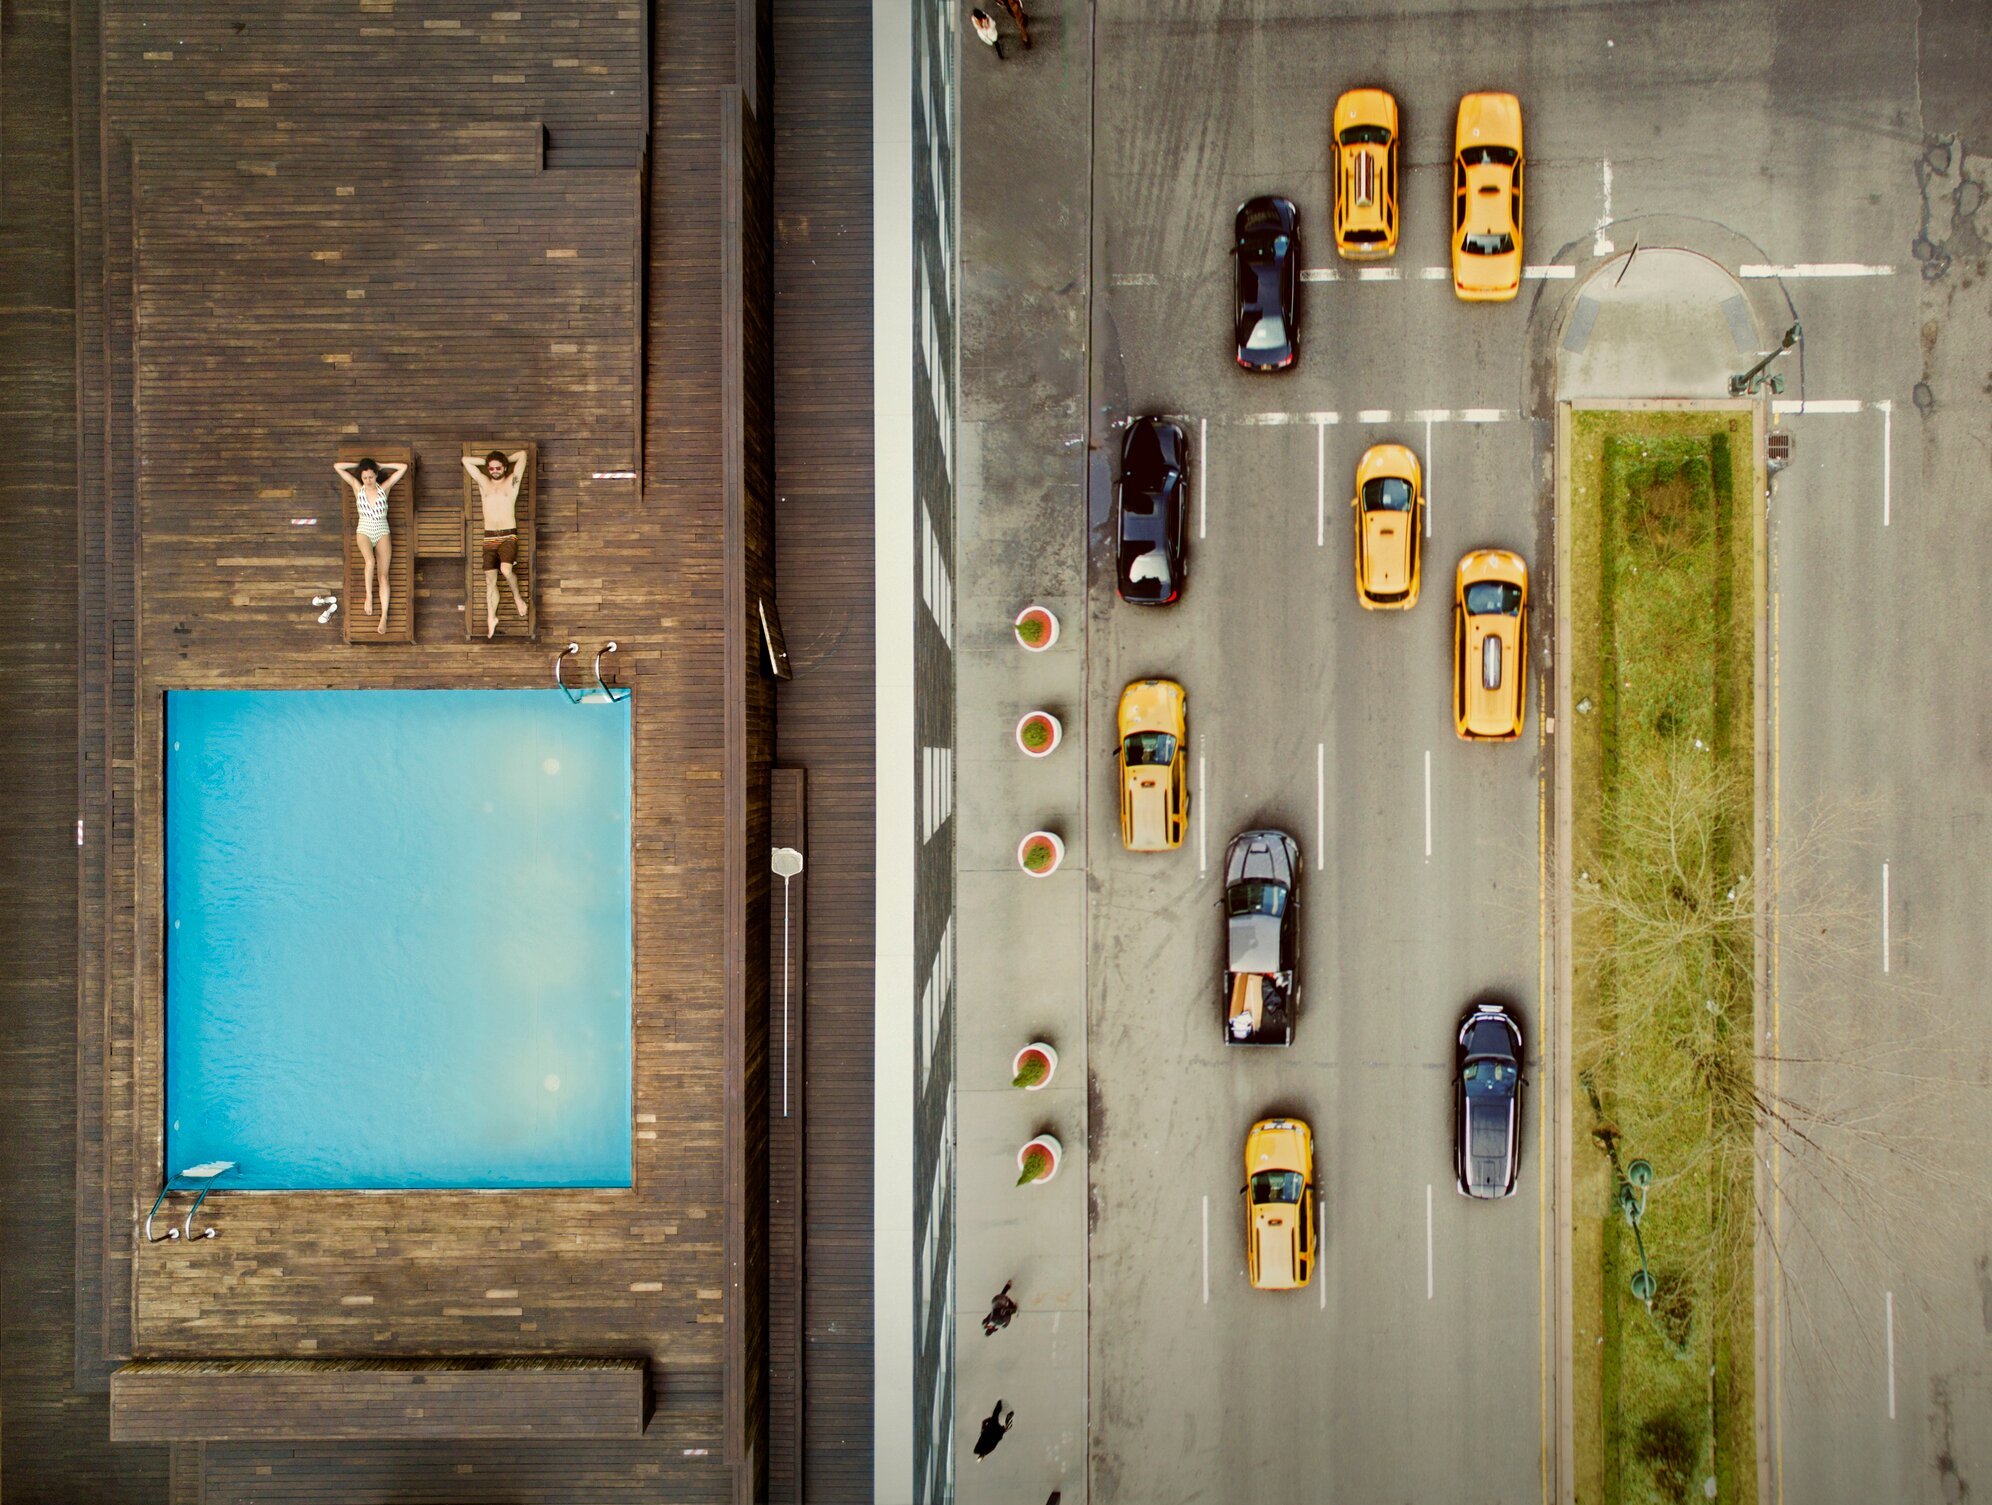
(994, 1425)
(985, 28)
(1001, 1310)
(1016, 10)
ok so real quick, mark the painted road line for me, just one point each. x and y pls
(1378, 274)
(1135, 279)
(1319, 274)
(1373, 415)
(1600, 243)
(1814, 269)
(1206, 1248)
(1802, 405)
(1321, 804)
(1430, 416)
(1549, 273)
(1203, 843)
(1428, 1241)
(1777, 1063)
(1428, 474)
(1434, 274)
(1203, 470)
(1275, 420)
(1887, 407)
(1889, 1300)
(1542, 1103)
(1320, 485)
(1428, 804)
(1482, 415)
(1884, 919)
(1320, 1279)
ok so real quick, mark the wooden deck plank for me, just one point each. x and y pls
(333, 1400)
(823, 461)
(53, 1415)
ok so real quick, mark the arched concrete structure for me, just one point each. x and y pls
(1660, 322)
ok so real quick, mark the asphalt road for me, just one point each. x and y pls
(1413, 1368)
(1797, 128)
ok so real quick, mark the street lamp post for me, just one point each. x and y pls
(1747, 384)
(1632, 1202)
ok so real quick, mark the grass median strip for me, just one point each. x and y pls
(1661, 590)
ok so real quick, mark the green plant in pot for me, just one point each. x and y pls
(1033, 1066)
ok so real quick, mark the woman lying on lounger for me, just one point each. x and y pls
(371, 484)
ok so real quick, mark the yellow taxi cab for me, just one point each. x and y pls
(1490, 646)
(1155, 785)
(1365, 127)
(1390, 523)
(1487, 198)
(1279, 1204)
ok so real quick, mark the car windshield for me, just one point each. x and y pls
(1145, 748)
(1489, 1078)
(1499, 156)
(1493, 596)
(1276, 1186)
(1387, 494)
(1258, 896)
(1486, 245)
(1268, 334)
(1366, 135)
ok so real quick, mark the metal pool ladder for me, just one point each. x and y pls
(604, 693)
(196, 1178)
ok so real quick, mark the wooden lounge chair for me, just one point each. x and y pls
(359, 627)
(525, 567)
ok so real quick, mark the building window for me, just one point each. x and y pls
(936, 578)
(936, 789)
(934, 1000)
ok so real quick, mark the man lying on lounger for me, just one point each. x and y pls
(498, 476)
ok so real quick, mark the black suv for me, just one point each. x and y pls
(1265, 314)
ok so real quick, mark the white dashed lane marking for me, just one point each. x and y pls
(1814, 269)
(1426, 416)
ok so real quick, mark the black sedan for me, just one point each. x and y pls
(1266, 307)
(1149, 508)
(1487, 1102)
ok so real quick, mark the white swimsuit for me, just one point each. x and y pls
(373, 514)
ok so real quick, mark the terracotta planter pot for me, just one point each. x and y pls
(1045, 727)
(1044, 1151)
(1034, 846)
(1037, 628)
(1028, 1057)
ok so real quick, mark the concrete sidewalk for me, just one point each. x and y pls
(1021, 952)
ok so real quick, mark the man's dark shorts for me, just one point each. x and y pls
(500, 548)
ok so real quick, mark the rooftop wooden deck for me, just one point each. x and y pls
(302, 221)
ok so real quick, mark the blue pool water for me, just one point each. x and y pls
(398, 937)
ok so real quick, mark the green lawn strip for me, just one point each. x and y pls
(1662, 809)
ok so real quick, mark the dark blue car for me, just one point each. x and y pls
(1487, 1140)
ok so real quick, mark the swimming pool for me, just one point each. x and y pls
(398, 938)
